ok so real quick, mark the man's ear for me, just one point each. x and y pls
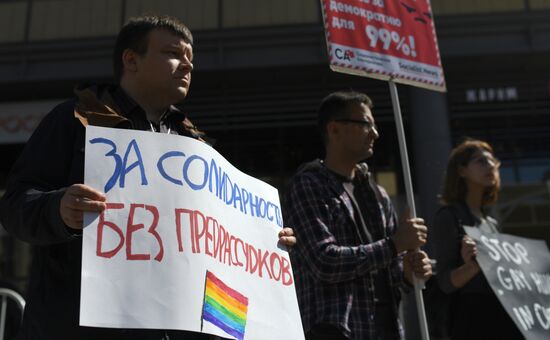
(333, 129)
(129, 60)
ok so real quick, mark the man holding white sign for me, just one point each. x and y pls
(45, 199)
(352, 257)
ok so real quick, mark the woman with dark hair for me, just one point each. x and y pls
(472, 182)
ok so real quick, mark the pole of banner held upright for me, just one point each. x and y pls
(418, 284)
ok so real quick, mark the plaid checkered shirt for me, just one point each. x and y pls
(334, 267)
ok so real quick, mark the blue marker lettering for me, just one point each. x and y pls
(246, 198)
(269, 216)
(228, 189)
(139, 162)
(186, 172)
(118, 162)
(253, 205)
(214, 171)
(278, 215)
(237, 197)
(261, 212)
(160, 166)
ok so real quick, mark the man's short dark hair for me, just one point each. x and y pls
(134, 36)
(336, 105)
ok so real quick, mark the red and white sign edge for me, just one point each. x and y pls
(387, 71)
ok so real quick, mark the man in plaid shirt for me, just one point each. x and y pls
(352, 258)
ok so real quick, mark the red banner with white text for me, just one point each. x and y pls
(384, 39)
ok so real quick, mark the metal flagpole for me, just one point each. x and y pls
(418, 284)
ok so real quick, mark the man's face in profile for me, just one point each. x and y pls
(164, 71)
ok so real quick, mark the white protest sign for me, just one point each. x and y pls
(187, 241)
(518, 271)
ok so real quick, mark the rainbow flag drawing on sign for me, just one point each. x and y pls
(224, 307)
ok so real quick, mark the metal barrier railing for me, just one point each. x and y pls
(6, 293)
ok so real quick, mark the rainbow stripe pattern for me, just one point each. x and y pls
(224, 307)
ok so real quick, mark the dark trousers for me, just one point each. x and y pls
(331, 332)
(482, 317)
(325, 332)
